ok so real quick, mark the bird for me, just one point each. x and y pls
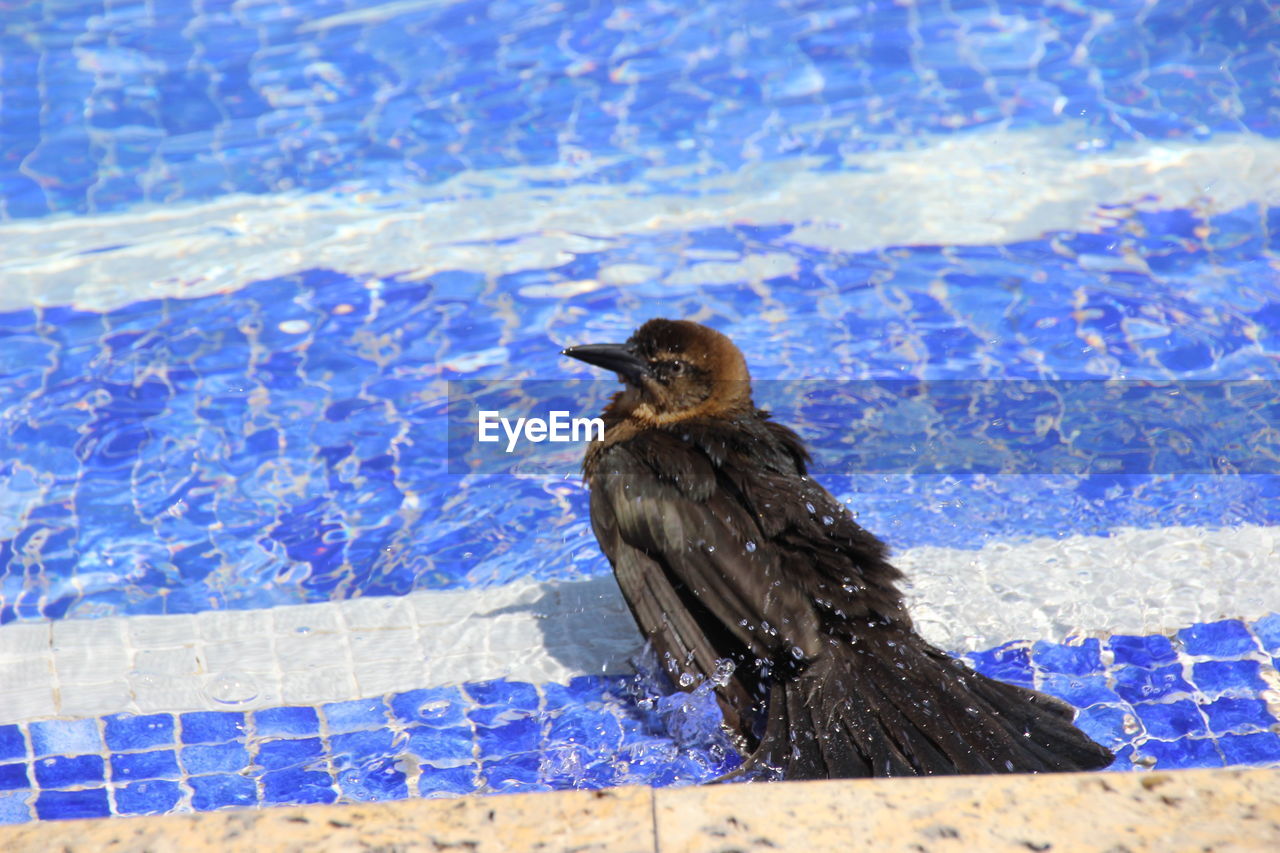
(744, 573)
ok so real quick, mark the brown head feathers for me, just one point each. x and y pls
(674, 370)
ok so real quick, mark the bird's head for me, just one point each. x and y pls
(674, 370)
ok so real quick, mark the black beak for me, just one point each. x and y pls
(620, 358)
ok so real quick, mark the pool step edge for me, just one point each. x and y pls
(1230, 809)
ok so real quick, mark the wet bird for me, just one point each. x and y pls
(743, 571)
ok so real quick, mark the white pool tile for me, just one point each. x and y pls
(386, 644)
(262, 230)
(381, 677)
(317, 684)
(156, 693)
(469, 636)
(99, 633)
(602, 659)
(20, 640)
(380, 612)
(162, 631)
(250, 653)
(28, 703)
(227, 625)
(296, 652)
(241, 689)
(93, 699)
(175, 661)
(332, 652)
(88, 664)
(512, 634)
(542, 669)
(306, 619)
(441, 608)
(458, 669)
(32, 673)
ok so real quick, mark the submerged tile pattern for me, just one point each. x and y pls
(250, 659)
(347, 649)
(188, 100)
(283, 443)
(1209, 696)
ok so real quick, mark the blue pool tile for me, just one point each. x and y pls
(579, 691)
(12, 743)
(373, 781)
(65, 771)
(286, 721)
(1106, 724)
(287, 752)
(151, 797)
(1227, 638)
(1184, 753)
(1080, 690)
(1083, 659)
(356, 715)
(65, 737)
(496, 715)
(354, 745)
(221, 791)
(127, 731)
(1268, 631)
(514, 695)
(17, 320)
(690, 718)
(1010, 663)
(1257, 748)
(215, 758)
(159, 764)
(1233, 715)
(1135, 684)
(211, 726)
(1216, 677)
(641, 744)
(518, 773)
(1171, 720)
(59, 805)
(688, 767)
(443, 707)
(597, 730)
(514, 737)
(15, 807)
(443, 747)
(1124, 759)
(14, 776)
(658, 774)
(296, 785)
(444, 782)
(1146, 652)
(576, 767)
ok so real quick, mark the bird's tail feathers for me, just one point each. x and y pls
(892, 705)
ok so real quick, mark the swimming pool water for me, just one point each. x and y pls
(246, 248)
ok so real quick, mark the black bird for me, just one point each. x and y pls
(741, 570)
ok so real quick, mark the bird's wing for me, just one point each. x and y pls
(695, 566)
(824, 551)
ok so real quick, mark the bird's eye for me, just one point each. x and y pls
(677, 367)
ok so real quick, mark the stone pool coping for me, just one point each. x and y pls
(1232, 809)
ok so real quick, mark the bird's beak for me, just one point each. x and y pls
(620, 358)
